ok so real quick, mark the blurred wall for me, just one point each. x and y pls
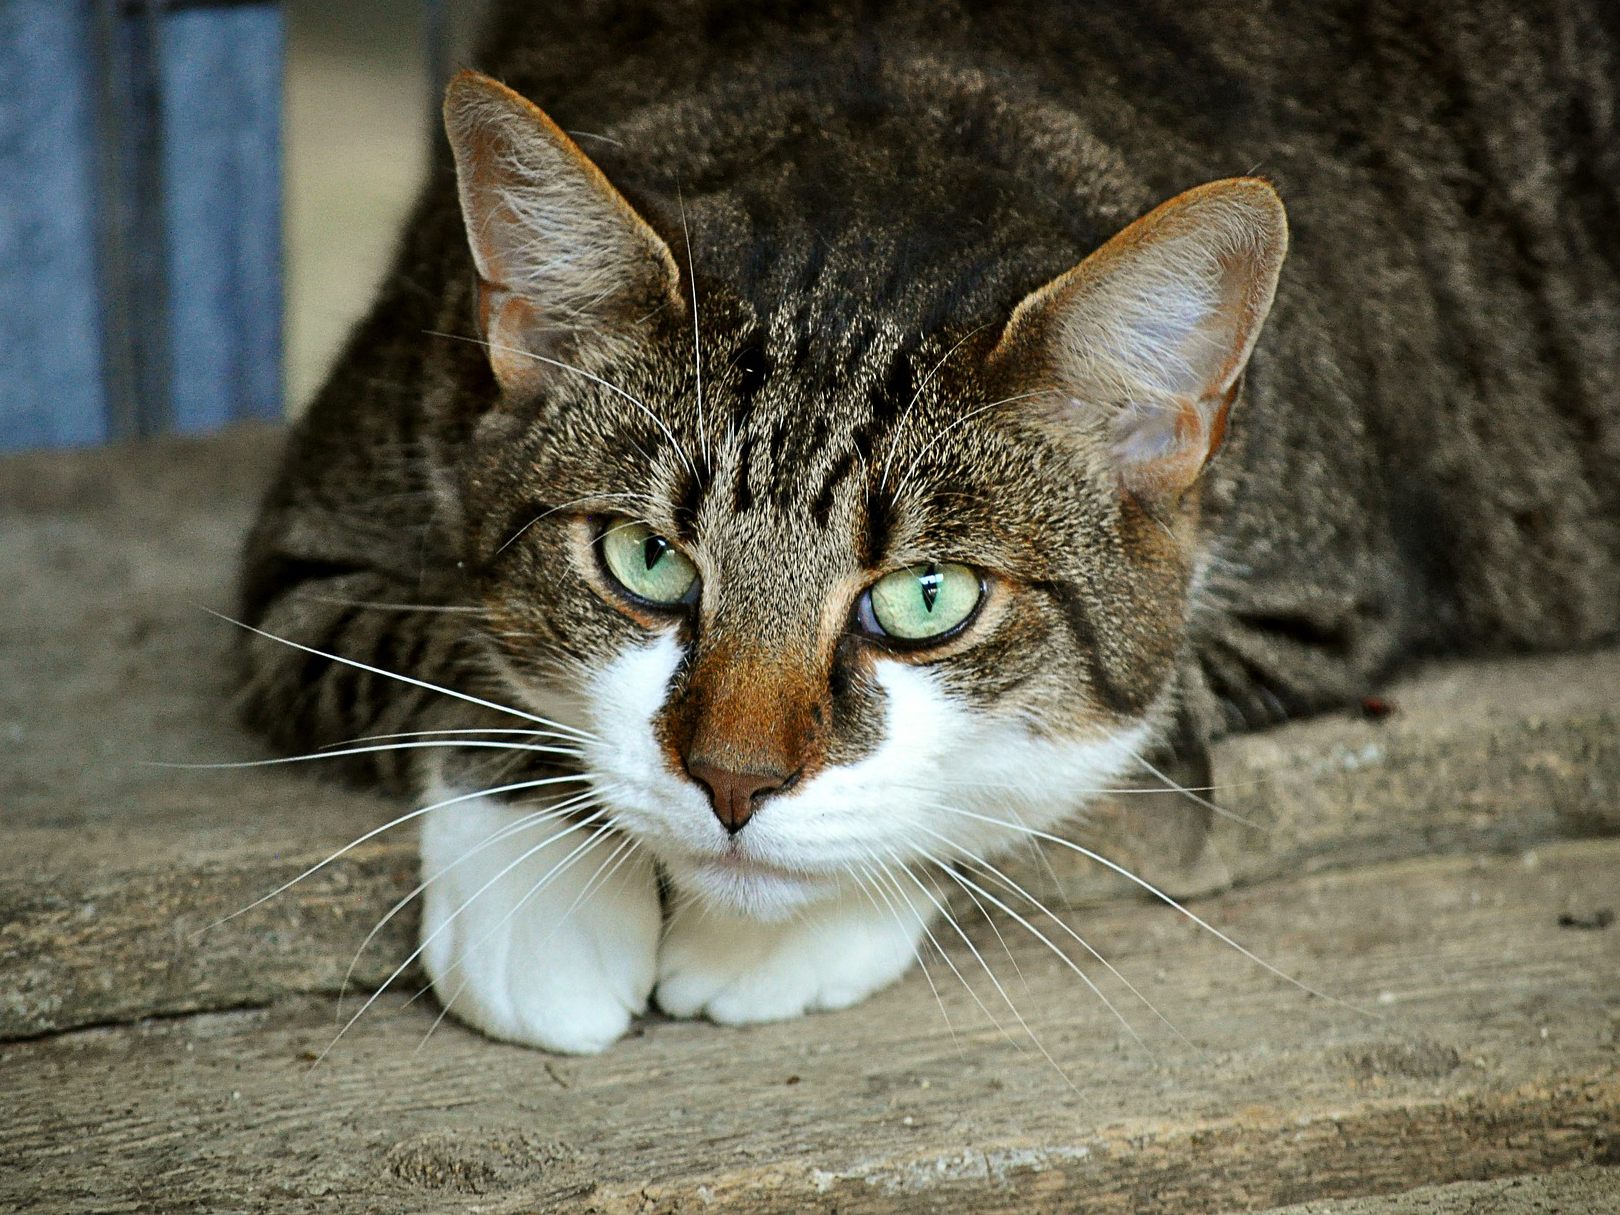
(360, 111)
(355, 137)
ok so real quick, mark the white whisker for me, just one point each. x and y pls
(1153, 890)
(697, 345)
(1192, 795)
(420, 745)
(867, 888)
(407, 679)
(967, 417)
(375, 832)
(510, 540)
(969, 885)
(348, 742)
(944, 913)
(450, 919)
(335, 601)
(883, 480)
(1015, 888)
(533, 819)
(595, 379)
(550, 875)
(990, 974)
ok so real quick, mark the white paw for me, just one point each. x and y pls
(546, 937)
(739, 971)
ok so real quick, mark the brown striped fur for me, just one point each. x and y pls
(881, 207)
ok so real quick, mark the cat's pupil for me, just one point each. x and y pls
(929, 583)
(653, 549)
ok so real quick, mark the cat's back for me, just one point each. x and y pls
(1430, 441)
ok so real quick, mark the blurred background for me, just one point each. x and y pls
(198, 198)
(360, 111)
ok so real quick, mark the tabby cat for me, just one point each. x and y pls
(815, 454)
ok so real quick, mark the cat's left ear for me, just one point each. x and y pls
(1155, 328)
(562, 257)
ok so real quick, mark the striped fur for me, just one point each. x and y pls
(825, 308)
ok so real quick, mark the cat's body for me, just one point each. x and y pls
(1424, 456)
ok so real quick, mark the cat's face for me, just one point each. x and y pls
(824, 612)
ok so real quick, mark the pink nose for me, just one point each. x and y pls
(734, 795)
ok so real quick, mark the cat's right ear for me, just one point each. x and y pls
(562, 258)
(1150, 334)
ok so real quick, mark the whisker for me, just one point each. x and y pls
(430, 733)
(510, 540)
(991, 975)
(376, 831)
(956, 927)
(972, 886)
(336, 601)
(967, 417)
(697, 345)
(1153, 890)
(994, 927)
(883, 481)
(421, 745)
(551, 874)
(595, 379)
(418, 683)
(533, 819)
(1193, 796)
(867, 888)
(1014, 887)
(899, 893)
(431, 937)
(623, 852)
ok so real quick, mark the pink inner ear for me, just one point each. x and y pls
(511, 325)
(1162, 455)
(1156, 327)
(559, 252)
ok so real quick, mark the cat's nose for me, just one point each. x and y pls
(734, 796)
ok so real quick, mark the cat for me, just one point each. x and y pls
(851, 443)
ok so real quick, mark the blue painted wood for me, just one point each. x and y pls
(134, 252)
(50, 349)
(140, 230)
(221, 86)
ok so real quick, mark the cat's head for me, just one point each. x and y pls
(827, 607)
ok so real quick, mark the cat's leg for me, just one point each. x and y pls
(738, 970)
(541, 932)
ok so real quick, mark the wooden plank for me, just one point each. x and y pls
(1488, 754)
(1488, 1051)
(1573, 1191)
(108, 661)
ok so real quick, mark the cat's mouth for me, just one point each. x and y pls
(742, 880)
(737, 859)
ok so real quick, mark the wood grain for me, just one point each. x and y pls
(1488, 1045)
(109, 661)
(1432, 869)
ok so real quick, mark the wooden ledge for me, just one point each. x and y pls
(1444, 869)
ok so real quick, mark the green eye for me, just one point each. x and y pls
(923, 601)
(645, 564)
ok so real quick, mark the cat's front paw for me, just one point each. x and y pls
(536, 932)
(740, 971)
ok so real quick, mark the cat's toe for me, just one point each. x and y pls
(693, 969)
(740, 972)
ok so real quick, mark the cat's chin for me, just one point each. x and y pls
(740, 885)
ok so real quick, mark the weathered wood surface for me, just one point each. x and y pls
(108, 662)
(1572, 1192)
(1416, 867)
(1490, 1047)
